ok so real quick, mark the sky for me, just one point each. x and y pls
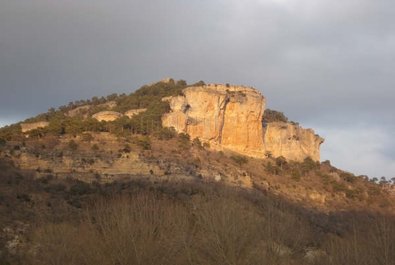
(329, 65)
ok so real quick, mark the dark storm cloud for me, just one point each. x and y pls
(328, 64)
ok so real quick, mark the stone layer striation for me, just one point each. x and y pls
(230, 118)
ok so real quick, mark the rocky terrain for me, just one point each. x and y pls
(230, 117)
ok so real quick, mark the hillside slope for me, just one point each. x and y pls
(77, 175)
(122, 137)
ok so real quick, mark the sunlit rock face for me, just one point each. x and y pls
(107, 115)
(291, 141)
(133, 112)
(225, 116)
(26, 127)
(230, 117)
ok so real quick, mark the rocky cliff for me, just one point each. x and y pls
(230, 117)
(291, 141)
(27, 127)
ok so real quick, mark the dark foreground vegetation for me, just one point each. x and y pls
(140, 222)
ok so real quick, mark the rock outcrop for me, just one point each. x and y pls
(107, 115)
(26, 127)
(291, 141)
(81, 110)
(134, 112)
(226, 116)
(230, 117)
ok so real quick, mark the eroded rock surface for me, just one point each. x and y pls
(26, 127)
(230, 117)
(226, 116)
(291, 141)
(133, 112)
(107, 115)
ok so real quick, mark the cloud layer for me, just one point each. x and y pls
(328, 64)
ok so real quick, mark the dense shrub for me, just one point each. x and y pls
(274, 116)
(308, 164)
(240, 160)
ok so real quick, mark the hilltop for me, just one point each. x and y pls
(186, 143)
(172, 130)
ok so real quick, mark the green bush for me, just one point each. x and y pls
(308, 164)
(149, 95)
(274, 116)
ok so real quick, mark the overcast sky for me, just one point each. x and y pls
(328, 64)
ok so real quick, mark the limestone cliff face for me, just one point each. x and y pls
(107, 115)
(133, 112)
(230, 117)
(291, 141)
(26, 127)
(226, 117)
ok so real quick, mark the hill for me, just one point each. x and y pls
(162, 147)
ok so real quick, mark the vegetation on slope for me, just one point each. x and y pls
(273, 116)
(66, 221)
(71, 222)
(148, 122)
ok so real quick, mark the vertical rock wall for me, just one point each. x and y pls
(230, 117)
(225, 116)
(291, 141)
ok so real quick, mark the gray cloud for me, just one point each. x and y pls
(327, 64)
